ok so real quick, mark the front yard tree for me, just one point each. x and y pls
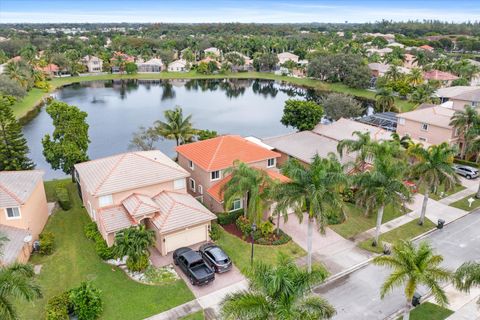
(13, 145)
(433, 169)
(144, 139)
(68, 144)
(16, 281)
(280, 291)
(302, 115)
(131, 68)
(464, 121)
(134, 243)
(315, 190)
(265, 61)
(413, 267)
(176, 126)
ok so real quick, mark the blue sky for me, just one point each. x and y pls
(265, 11)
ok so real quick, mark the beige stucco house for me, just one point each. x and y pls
(207, 160)
(152, 65)
(214, 51)
(93, 64)
(23, 212)
(287, 56)
(144, 187)
(460, 96)
(178, 66)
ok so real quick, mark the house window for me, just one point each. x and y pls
(104, 201)
(271, 162)
(191, 165)
(422, 139)
(401, 121)
(13, 213)
(236, 205)
(200, 189)
(424, 126)
(179, 184)
(192, 185)
(215, 175)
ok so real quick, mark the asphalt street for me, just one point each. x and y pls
(357, 295)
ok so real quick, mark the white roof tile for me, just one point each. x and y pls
(139, 205)
(17, 186)
(344, 129)
(115, 218)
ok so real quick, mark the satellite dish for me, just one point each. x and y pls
(27, 238)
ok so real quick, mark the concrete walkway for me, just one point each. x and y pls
(178, 312)
(387, 226)
(456, 196)
(463, 304)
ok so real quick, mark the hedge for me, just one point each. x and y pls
(47, 243)
(103, 250)
(229, 217)
(466, 162)
(63, 197)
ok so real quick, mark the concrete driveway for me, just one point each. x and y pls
(332, 250)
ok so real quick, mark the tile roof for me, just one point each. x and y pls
(439, 75)
(115, 218)
(216, 190)
(128, 171)
(179, 211)
(436, 115)
(450, 92)
(12, 248)
(139, 205)
(344, 128)
(220, 152)
(472, 95)
(17, 186)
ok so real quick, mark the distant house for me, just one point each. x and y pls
(379, 69)
(215, 51)
(51, 70)
(207, 160)
(380, 52)
(94, 64)
(248, 62)
(426, 47)
(460, 96)
(120, 56)
(152, 65)
(287, 56)
(23, 213)
(143, 188)
(445, 78)
(178, 66)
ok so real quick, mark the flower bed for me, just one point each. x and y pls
(270, 239)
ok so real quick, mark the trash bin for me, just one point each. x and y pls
(416, 299)
(440, 223)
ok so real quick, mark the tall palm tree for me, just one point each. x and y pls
(280, 291)
(415, 77)
(16, 281)
(463, 121)
(406, 141)
(363, 145)
(413, 267)
(314, 190)
(15, 71)
(383, 185)
(385, 99)
(424, 94)
(134, 242)
(467, 276)
(176, 127)
(393, 73)
(433, 168)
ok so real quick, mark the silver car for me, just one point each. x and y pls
(466, 171)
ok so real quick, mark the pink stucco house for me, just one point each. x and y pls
(144, 187)
(23, 213)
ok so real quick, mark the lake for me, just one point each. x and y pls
(117, 108)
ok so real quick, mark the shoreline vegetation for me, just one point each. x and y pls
(27, 108)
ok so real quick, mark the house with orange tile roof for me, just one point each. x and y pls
(23, 213)
(207, 160)
(445, 78)
(426, 47)
(144, 187)
(51, 70)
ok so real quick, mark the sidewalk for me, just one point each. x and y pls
(456, 196)
(387, 226)
(463, 304)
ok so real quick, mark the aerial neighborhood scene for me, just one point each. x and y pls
(234, 160)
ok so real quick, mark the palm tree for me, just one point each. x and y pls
(434, 168)
(385, 100)
(411, 267)
(383, 185)
(424, 94)
(467, 276)
(314, 190)
(415, 76)
(16, 281)
(176, 127)
(134, 242)
(393, 73)
(364, 145)
(463, 121)
(15, 72)
(280, 291)
(406, 141)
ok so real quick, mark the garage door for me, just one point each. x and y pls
(186, 238)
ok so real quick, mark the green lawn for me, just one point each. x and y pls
(357, 222)
(463, 203)
(195, 316)
(34, 96)
(239, 251)
(407, 231)
(429, 311)
(75, 260)
(436, 196)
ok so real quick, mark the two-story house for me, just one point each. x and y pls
(207, 160)
(23, 213)
(92, 63)
(460, 96)
(144, 187)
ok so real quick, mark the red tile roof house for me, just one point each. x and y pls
(50, 70)
(207, 160)
(23, 213)
(144, 187)
(445, 78)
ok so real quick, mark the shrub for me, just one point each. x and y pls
(86, 301)
(139, 264)
(333, 218)
(91, 230)
(63, 197)
(229, 217)
(283, 238)
(466, 162)
(266, 228)
(102, 249)
(244, 225)
(47, 243)
(58, 307)
(215, 231)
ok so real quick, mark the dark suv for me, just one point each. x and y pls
(216, 257)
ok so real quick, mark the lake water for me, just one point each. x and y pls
(117, 108)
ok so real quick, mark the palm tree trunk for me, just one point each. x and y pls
(406, 312)
(309, 244)
(379, 224)
(278, 223)
(424, 207)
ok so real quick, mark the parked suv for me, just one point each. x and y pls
(466, 171)
(216, 257)
(193, 265)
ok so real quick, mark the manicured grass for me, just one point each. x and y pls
(239, 251)
(406, 232)
(75, 260)
(436, 196)
(357, 222)
(429, 311)
(463, 203)
(195, 316)
(33, 98)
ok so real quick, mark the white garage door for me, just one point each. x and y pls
(186, 238)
